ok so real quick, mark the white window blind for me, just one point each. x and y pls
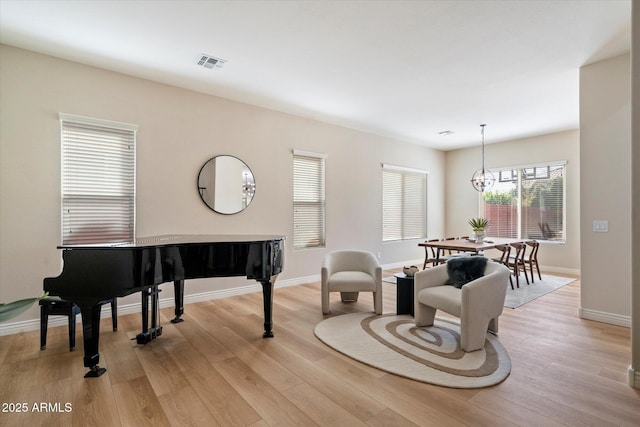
(527, 202)
(308, 200)
(98, 180)
(404, 203)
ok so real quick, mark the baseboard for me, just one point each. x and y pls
(561, 270)
(633, 378)
(28, 325)
(601, 316)
(298, 281)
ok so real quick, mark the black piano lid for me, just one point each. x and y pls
(179, 239)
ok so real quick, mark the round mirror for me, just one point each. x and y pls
(226, 184)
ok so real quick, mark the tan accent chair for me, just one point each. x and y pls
(351, 272)
(478, 303)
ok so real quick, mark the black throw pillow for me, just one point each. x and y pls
(465, 269)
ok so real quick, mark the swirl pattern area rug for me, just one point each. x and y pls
(429, 354)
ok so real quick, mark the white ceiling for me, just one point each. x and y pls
(403, 69)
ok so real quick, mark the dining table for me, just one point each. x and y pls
(465, 245)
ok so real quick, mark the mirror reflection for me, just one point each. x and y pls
(226, 184)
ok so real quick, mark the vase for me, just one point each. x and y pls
(479, 235)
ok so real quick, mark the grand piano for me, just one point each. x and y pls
(98, 272)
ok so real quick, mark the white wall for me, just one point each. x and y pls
(179, 131)
(463, 199)
(634, 369)
(605, 158)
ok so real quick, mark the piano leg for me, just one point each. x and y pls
(91, 339)
(267, 297)
(178, 292)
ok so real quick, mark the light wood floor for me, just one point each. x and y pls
(215, 369)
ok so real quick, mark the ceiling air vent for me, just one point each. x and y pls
(210, 62)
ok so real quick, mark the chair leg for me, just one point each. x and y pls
(493, 325)
(377, 302)
(326, 309)
(473, 334)
(424, 315)
(349, 296)
(516, 272)
(426, 257)
(529, 270)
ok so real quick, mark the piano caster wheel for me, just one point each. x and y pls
(95, 371)
(177, 320)
(267, 334)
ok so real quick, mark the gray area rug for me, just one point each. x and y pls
(428, 354)
(526, 293)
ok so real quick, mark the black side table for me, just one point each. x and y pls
(404, 296)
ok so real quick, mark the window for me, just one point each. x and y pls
(98, 180)
(404, 203)
(527, 203)
(308, 200)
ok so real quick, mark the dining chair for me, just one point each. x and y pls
(448, 250)
(531, 260)
(517, 262)
(429, 250)
(504, 258)
(444, 258)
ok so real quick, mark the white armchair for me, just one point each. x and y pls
(351, 272)
(478, 303)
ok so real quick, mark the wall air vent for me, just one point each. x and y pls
(210, 62)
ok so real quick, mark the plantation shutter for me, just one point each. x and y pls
(404, 203)
(98, 180)
(308, 200)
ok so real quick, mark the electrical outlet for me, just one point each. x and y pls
(601, 226)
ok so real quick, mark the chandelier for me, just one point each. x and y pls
(483, 179)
